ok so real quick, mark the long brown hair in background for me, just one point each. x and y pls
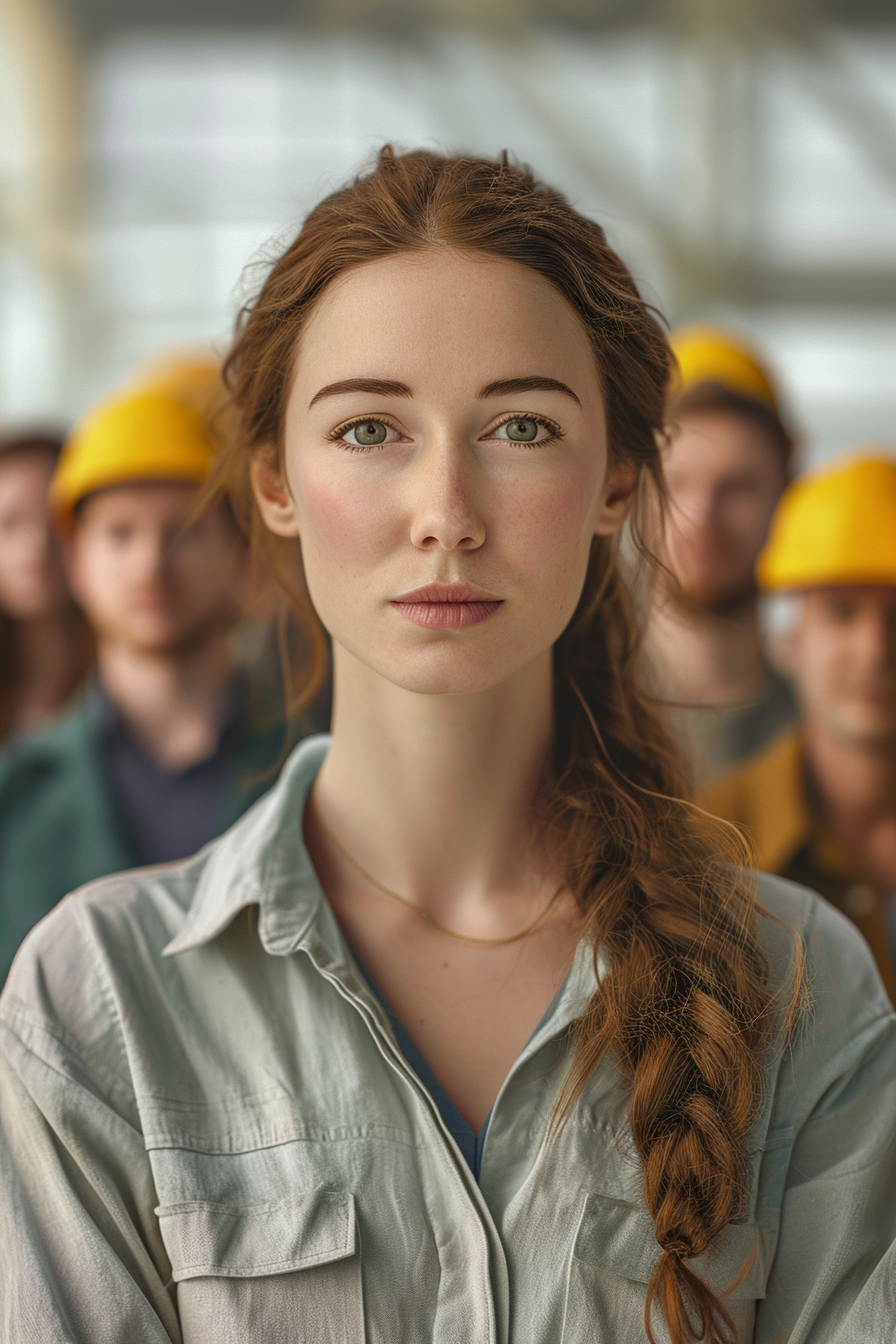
(683, 1010)
(20, 445)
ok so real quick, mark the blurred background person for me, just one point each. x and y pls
(726, 464)
(45, 645)
(819, 802)
(170, 744)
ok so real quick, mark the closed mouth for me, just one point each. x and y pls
(447, 606)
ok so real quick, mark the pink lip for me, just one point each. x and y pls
(447, 606)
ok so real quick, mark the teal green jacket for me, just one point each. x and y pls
(59, 826)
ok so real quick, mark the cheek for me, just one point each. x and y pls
(91, 570)
(753, 521)
(98, 575)
(552, 524)
(824, 663)
(204, 571)
(344, 520)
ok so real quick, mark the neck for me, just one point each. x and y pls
(855, 783)
(49, 655)
(705, 658)
(171, 701)
(433, 793)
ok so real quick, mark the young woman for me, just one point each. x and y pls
(468, 1031)
(45, 647)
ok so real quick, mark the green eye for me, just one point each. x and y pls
(522, 430)
(368, 434)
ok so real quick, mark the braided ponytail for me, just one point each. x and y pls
(683, 1010)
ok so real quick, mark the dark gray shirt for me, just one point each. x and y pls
(169, 815)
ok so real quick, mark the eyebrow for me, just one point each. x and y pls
(377, 387)
(507, 387)
(504, 387)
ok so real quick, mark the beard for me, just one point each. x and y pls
(705, 596)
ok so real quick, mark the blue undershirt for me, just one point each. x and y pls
(468, 1141)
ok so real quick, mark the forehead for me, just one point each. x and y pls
(443, 315)
(26, 469)
(138, 500)
(856, 596)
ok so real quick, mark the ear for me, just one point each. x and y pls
(275, 502)
(617, 495)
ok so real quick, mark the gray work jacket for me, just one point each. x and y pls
(209, 1135)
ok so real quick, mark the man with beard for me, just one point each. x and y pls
(170, 744)
(819, 802)
(726, 465)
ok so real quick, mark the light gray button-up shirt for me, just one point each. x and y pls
(209, 1135)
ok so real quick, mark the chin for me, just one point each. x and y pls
(33, 606)
(712, 596)
(156, 641)
(451, 670)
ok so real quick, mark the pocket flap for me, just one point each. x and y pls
(253, 1240)
(621, 1236)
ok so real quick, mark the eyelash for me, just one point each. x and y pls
(554, 431)
(336, 434)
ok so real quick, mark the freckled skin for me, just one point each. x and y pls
(444, 501)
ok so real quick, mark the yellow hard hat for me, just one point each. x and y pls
(835, 526)
(192, 376)
(152, 430)
(707, 354)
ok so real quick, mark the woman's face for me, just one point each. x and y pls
(32, 579)
(445, 466)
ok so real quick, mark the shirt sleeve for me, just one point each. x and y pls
(834, 1147)
(82, 1259)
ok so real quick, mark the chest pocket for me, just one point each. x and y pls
(613, 1259)
(270, 1273)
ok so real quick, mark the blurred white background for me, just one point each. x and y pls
(743, 162)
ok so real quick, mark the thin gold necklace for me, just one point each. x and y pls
(427, 918)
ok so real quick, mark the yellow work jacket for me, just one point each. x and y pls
(769, 798)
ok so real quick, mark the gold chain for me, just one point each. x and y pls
(427, 918)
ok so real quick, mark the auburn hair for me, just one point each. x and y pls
(683, 1007)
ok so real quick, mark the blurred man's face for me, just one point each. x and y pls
(724, 476)
(147, 581)
(842, 655)
(32, 579)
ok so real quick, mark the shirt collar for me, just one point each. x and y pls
(262, 860)
(780, 821)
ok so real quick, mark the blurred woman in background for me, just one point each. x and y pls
(45, 647)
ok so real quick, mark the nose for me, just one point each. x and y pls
(447, 513)
(153, 555)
